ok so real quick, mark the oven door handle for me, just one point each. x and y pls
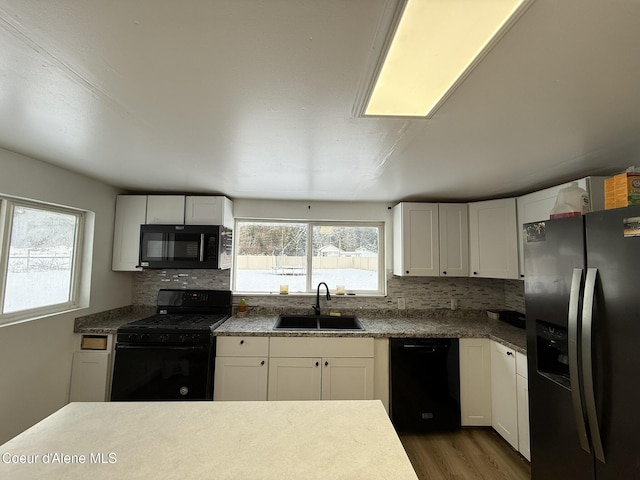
(157, 346)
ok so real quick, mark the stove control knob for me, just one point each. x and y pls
(184, 391)
(164, 337)
(132, 337)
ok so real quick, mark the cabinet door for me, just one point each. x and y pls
(493, 242)
(453, 227)
(240, 378)
(294, 378)
(208, 210)
(415, 239)
(347, 378)
(90, 376)
(504, 402)
(165, 209)
(522, 385)
(475, 381)
(131, 212)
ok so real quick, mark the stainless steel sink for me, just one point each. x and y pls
(317, 322)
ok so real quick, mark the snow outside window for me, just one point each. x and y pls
(40, 252)
(303, 254)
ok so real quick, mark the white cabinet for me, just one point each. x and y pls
(131, 212)
(208, 210)
(537, 206)
(91, 369)
(241, 368)
(493, 241)
(522, 385)
(430, 239)
(453, 227)
(313, 368)
(415, 239)
(504, 403)
(165, 209)
(475, 381)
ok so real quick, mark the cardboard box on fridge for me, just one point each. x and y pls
(622, 190)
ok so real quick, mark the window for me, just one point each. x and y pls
(40, 248)
(303, 254)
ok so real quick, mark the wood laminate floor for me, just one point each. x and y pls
(470, 453)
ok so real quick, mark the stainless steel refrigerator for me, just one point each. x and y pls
(582, 291)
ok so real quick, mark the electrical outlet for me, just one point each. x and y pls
(401, 303)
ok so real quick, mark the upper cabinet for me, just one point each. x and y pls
(131, 212)
(430, 239)
(493, 239)
(537, 206)
(135, 210)
(165, 209)
(206, 210)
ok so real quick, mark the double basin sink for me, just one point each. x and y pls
(317, 322)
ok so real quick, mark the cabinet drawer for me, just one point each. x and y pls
(242, 346)
(521, 365)
(321, 347)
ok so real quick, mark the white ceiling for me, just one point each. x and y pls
(255, 99)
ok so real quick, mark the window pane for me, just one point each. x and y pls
(346, 256)
(270, 255)
(41, 257)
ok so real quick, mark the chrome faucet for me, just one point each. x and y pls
(316, 307)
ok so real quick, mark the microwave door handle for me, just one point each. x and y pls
(202, 247)
(574, 371)
(587, 362)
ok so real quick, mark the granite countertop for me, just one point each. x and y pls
(382, 327)
(216, 440)
(381, 324)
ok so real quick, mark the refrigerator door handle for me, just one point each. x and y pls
(574, 371)
(587, 362)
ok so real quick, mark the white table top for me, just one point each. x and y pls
(348, 440)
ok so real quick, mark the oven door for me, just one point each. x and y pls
(162, 373)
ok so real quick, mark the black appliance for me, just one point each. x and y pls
(185, 246)
(425, 384)
(170, 355)
(583, 329)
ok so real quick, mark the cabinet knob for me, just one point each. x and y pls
(444, 273)
(241, 342)
(326, 364)
(475, 273)
(262, 362)
(407, 272)
(317, 364)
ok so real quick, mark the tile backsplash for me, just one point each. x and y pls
(419, 293)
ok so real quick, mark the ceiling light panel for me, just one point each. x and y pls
(436, 43)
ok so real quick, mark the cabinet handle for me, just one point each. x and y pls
(317, 364)
(509, 353)
(326, 364)
(262, 362)
(444, 273)
(241, 342)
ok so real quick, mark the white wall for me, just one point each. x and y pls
(35, 356)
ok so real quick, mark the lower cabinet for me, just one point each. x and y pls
(294, 368)
(307, 368)
(475, 381)
(504, 404)
(241, 368)
(522, 385)
(91, 369)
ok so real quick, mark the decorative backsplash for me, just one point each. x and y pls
(420, 293)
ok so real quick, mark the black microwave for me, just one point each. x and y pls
(185, 246)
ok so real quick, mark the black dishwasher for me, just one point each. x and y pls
(425, 384)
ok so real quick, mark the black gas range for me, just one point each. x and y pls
(170, 355)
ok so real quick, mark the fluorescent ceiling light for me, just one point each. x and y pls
(435, 45)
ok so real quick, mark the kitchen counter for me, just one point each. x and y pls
(438, 324)
(442, 326)
(214, 440)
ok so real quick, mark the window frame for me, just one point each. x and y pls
(310, 224)
(7, 207)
